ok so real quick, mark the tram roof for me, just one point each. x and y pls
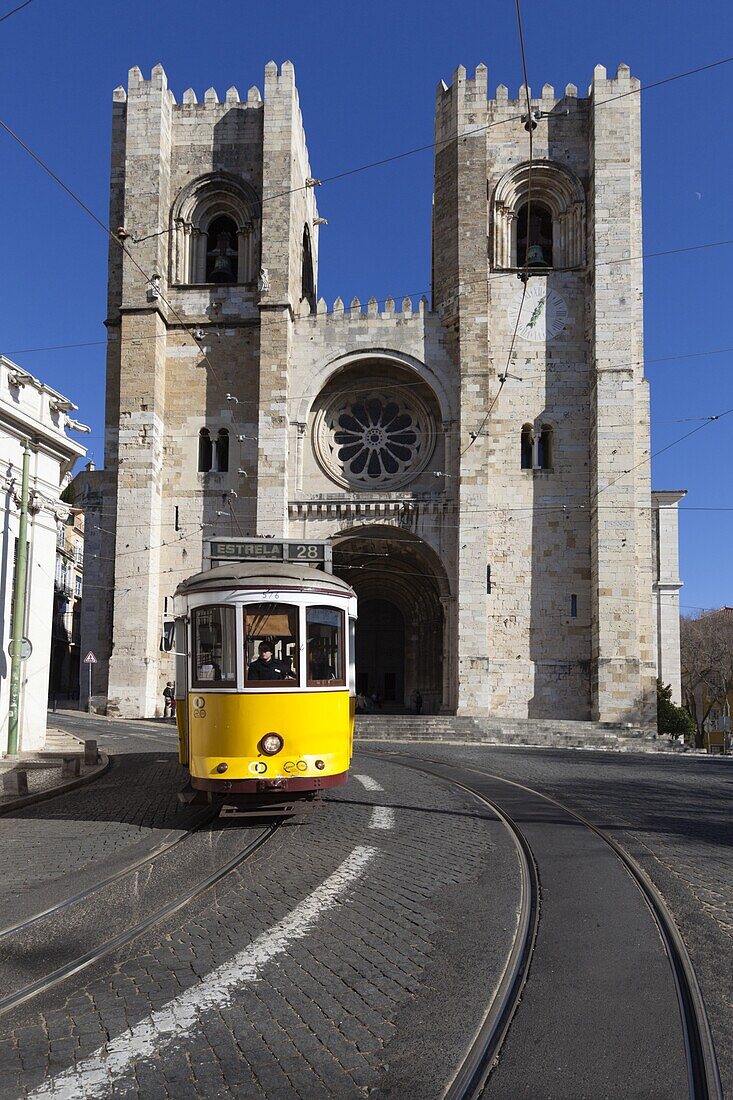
(259, 576)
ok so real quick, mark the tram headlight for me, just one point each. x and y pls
(271, 743)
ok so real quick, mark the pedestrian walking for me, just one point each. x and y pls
(169, 696)
(416, 702)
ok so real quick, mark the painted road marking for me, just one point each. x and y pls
(368, 783)
(382, 818)
(94, 1076)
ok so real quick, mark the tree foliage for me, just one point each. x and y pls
(706, 643)
(672, 720)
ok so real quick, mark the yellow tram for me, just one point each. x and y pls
(265, 684)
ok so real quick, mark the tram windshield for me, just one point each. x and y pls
(325, 630)
(214, 647)
(271, 645)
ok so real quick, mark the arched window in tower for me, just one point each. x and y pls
(222, 451)
(215, 232)
(544, 448)
(537, 218)
(222, 255)
(534, 236)
(527, 446)
(205, 451)
(308, 282)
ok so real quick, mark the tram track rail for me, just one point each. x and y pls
(472, 1074)
(113, 943)
(703, 1076)
(108, 880)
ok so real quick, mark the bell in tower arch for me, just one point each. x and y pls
(534, 236)
(536, 256)
(221, 260)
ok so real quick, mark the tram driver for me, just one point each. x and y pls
(267, 666)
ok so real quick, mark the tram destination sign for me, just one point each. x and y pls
(292, 551)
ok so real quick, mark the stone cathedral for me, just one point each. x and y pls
(485, 491)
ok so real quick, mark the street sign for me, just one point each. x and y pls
(90, 659)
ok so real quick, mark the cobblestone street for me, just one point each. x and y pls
(673, 815)
(329, 1010)
(354, 953)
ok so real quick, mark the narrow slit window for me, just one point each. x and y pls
(205, 451)
(544, 448)
(573, 606)
(222, 451)
(308, 283)
(526, 447)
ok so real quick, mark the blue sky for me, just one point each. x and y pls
(366, 76)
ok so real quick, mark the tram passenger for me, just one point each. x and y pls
(267, 667)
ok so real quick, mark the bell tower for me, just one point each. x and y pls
(540, 297)
(217, 212)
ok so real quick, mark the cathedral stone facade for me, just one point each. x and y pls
(493, 511)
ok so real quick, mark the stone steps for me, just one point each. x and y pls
(536, 732)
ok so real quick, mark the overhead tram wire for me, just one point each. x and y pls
(345, 308)
(589, 501)
(707, 422)
(524, 276)
(114, 237)
(187, 328)
(436, 145)
(373, 164)
(14, 11)
(400, 386)
(528, 508)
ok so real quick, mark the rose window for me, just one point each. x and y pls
(380, 439)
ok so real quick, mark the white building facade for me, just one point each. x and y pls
(32, 411)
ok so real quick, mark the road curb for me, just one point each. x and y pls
(361, 738)
(58, 789)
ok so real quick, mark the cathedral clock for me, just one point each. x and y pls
(544, 314)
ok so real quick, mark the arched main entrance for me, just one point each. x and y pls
(380, 650)
(402, 588)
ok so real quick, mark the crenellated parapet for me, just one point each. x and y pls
(387, 309)
(476, 89)
(137, 85)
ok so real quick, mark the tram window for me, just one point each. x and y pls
(271, 645)
(214, 647)
(325, 629)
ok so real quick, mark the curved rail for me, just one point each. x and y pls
(116, 876)
(473, 1072)
(702, 1064)
(79, 963)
